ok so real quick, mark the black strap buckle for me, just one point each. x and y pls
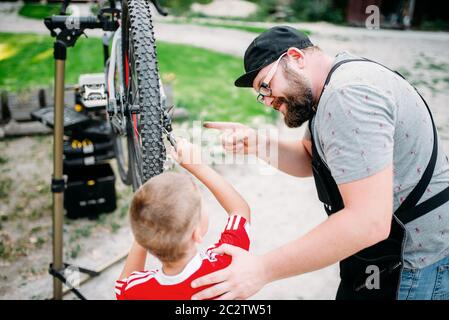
(57, 185)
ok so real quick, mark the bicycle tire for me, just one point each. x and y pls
(145, 139)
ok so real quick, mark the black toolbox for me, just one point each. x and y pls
(90, 145)
(72, 120)
(96, 131)
(90, 191)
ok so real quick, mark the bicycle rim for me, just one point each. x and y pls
(120, 139)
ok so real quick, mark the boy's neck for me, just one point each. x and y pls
(174, 268)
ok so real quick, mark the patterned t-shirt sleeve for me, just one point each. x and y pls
(356, 132)
(236, 233)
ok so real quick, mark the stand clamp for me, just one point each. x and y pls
(60, 275)
(57, 185)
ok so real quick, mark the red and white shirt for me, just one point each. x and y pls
(155, 285)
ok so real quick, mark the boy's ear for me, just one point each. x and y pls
(197, 234)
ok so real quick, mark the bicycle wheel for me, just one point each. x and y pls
(144, 111)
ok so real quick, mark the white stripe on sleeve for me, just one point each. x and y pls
(236, 223)
(231, 219)
(137, 275)
(139, 281)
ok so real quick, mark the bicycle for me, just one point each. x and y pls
(135, 102)
(135, 96)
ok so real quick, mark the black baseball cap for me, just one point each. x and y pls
(267, 48)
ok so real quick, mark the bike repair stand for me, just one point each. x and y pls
(66, 38)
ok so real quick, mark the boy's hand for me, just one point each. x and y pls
(186, 153)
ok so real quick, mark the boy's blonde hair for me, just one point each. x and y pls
(164, 212)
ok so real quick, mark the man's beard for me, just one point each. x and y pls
(298, 99)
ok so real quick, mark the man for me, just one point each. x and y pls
(379, 169)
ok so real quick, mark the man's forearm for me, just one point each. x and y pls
(330, 242)
(290, 157)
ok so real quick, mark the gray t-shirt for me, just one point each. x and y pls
(369, 117)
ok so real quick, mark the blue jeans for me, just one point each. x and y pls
(429, 283)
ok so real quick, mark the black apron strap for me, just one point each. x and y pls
(405, 212)
(387, 254)
(424, 207)
(334, 67)
(409, 210)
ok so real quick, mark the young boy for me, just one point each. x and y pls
(167, 220)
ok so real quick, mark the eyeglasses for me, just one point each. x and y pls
(264, 89)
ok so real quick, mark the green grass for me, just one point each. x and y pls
(438, 66)
(74, 252)
(5, 187)
(435, 25)
(205, 84)
(204, 80)
(405, 72)
(39, 11)
(3, 160)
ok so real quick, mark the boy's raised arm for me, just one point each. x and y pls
(189, 157)
(135, 260)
